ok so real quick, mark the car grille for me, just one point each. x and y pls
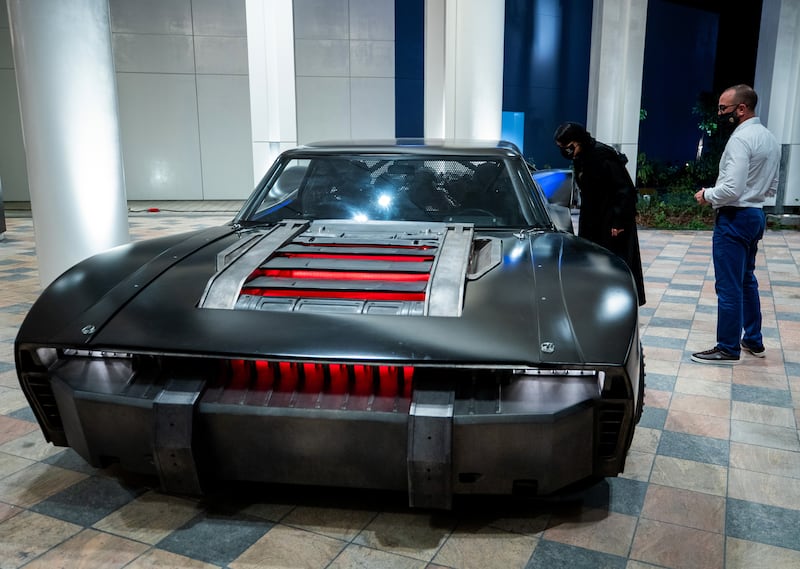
(347, 387)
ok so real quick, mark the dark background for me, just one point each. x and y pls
(694, 49)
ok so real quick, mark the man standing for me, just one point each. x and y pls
(748, 173)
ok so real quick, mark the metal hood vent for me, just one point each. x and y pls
(394, 268)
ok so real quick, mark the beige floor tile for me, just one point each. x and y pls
(486, 548)
(757, 378)
(8, 511)
(764, 435)
(779, 491)
(764, 414)
(149, 518)
(664, 367)
(28, 535)
(12, 399)
(646, 440)
(415, 535)
(685, 508)
(337, 523)
(90, 549)
(32, 446)
(638, 465)
(695, 386)
(10, 464)
(11, 429)
(640, 565)
(695, 424)
(701, 405)
(655, 542)
(692, 370)
(764, 459)
(358, 556)
(283, 547)
(689, 475)
(741, 554)
(599, 530)
(35, 483)
(657, 399)
(160, 559)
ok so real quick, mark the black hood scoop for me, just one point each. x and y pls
(389, 268)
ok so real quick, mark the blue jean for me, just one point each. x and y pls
(737, 232)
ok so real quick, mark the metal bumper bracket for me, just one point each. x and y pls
(430, 449)
(173, 413)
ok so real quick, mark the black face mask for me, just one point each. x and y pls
(728, 121)
(567, 152)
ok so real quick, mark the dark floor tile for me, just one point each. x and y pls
(87, 501)
(554, 555)
(765, 524)
(683, 286)
(216, 539)
(663, 342)
(674, 299)
(24, 414)
(619, 495)
(693, 447)
(762, 395)
(659, 381)
(71, 460)
(671, 323)
(653, 418)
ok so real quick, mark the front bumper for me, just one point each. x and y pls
(433, 432)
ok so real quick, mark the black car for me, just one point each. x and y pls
(403, 315)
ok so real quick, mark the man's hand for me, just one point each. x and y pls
(700, 197)
(615, 231)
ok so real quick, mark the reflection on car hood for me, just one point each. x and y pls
(490, 298)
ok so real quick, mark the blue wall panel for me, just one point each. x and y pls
(679, 60)
(546, 69)
(409, 67)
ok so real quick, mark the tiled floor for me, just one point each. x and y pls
(713, 477)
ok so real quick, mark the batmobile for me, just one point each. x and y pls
(403, 315)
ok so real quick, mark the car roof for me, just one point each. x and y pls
(417, 146)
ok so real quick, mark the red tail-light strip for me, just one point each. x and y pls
(300, 274)
(335, 379)
(346, 294)
(369, 245)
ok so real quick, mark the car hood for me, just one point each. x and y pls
(549, 299)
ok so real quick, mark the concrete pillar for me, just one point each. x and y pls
(464, 68)
(776, 82)
(270, 55)
(68, 106)
(615, 74)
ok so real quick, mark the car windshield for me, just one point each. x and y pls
(490, 192)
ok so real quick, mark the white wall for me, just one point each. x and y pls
(12, 152)
(184, 109)
(184, 106)
(344, 61)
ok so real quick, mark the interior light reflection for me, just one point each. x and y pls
(516, 252)
(616, 303)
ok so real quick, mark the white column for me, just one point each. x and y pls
(270, 55)
(615, 74)
(777, 81)
(68, 107)
(464, 68)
